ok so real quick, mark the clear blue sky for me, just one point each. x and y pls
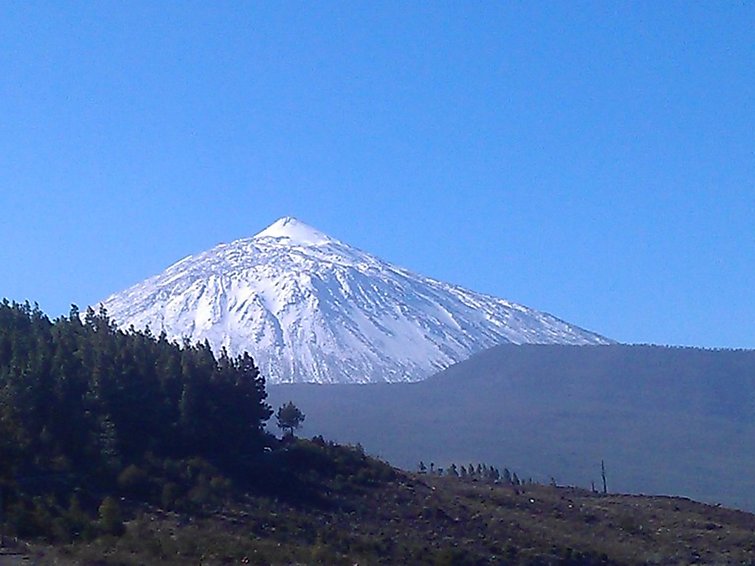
(595, 160)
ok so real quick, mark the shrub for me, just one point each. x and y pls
(169, 495)
(111, 521)
(133, 480)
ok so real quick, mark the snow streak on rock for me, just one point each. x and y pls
(311, 308)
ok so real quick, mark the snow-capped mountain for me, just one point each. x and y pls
(311, 308)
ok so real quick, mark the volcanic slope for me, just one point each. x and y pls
(310, 308)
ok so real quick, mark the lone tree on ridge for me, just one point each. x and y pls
(289, 418)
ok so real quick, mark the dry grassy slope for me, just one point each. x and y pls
(420, 519)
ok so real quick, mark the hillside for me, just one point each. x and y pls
(374, 515)
(665, 420)
(124, 448)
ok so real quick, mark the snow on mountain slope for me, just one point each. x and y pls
(311, 308)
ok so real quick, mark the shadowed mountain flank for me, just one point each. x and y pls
(665, 420)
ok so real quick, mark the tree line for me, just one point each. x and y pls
(479, 472)
(79, 395)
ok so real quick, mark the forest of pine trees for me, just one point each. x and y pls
(79, 396)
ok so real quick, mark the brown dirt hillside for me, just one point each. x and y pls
(423, 519)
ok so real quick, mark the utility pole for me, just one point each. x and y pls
(603, 474)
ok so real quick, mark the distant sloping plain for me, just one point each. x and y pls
(674, 421)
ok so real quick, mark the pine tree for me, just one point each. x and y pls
(289, 418)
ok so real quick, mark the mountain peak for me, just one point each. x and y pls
(311, 308)
(295, 231)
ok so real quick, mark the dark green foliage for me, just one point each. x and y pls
(85, 404)
(134, 481)
(298, 469)
(79, 395)
(110, 518)
(289, 418)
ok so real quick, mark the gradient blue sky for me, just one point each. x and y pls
(595, 160)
